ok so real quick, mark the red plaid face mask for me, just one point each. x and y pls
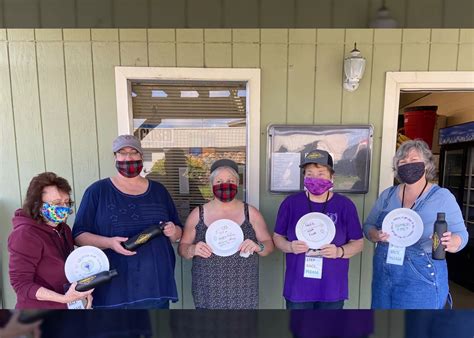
(225, 192)
(129, 168)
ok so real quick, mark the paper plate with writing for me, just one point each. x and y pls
(224, 236)
(316, 229)
(404, 226)
(84, 262)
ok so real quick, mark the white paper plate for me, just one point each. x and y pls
(224, 236)
(404, 226)
(315, 229)
(85, 261)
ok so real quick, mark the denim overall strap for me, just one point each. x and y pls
(384, 213)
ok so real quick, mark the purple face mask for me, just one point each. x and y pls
(317, 186)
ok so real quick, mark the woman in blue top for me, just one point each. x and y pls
(421, 282)
(116, 208)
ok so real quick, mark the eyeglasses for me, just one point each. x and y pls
(59, 203)
(133, 154)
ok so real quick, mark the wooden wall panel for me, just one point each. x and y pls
(328, 88)
(444, 49)
(415, 49)
(54, 111)
(301, 76)
(466, 50)
(81, 107)
(27, 113)
(105, 56)
(10, 197)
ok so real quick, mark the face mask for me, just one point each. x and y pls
(317, 186)
(54, 213)
(129, 168)
(411, 172)
(225, 192)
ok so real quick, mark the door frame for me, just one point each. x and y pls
(410, 81)
(125, 75)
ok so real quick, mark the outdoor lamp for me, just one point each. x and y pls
(354, 66)
(383, 19)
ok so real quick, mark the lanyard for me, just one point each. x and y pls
(324, 206)
(403, 195)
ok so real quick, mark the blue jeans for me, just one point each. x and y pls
(314, 305)
(420, 283)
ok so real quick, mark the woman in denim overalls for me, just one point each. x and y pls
(421, 282)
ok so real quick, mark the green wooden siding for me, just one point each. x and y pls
(58, 108)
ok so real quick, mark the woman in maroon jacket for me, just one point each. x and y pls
(39, 245)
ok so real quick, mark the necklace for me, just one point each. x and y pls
(403, 194)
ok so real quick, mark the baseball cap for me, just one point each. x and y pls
(225, 163)
(123, 141)
(317, 157)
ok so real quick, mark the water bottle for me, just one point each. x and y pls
(440, 227)
(143, 237)
(91, 282)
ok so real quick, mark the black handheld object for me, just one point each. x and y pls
(143, 237)
(31, 316)
(91, 282)
(440, 227)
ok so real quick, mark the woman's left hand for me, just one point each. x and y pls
(249, 246)
(170, 229)
(450, 242)
(329, 251)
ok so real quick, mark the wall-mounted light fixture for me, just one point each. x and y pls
(354, 67)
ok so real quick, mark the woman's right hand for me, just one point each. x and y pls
(72, 294)
(203, 250)
(378, 235)
(298, 247)
(115, 243)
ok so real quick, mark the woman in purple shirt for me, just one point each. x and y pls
(325, 287)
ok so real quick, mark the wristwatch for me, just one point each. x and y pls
(261, 246)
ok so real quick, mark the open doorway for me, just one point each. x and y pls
(455, 165)
(420, 86)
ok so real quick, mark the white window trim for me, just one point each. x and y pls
(124, 76)
(416, 81)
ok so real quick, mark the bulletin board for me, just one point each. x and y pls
(349, 145)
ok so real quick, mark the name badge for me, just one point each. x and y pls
(395, 255)
(313, 267)
(76, 305)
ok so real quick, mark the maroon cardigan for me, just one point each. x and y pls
(38, 252)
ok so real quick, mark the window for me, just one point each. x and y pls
(189, 117)
(184, 126)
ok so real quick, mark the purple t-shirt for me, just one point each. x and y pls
(333, 286)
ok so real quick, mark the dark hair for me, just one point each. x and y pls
(33, 200)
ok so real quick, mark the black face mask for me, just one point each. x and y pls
(411, 172)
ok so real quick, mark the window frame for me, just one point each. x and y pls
(125, 75)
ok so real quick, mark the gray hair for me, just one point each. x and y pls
(422, 148)
(213, 175)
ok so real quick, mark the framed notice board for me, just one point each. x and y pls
(349, 145)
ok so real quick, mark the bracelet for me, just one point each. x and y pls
(342, 256)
